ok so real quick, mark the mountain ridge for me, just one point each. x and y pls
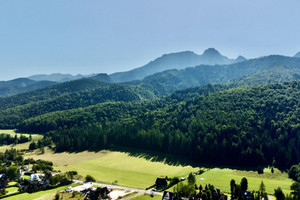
(178, 60)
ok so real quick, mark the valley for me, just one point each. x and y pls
(219, 122)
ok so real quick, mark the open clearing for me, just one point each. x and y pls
(109, 166)
(221, 178)
(25, 145)
(47, 194)
(140, 171)
(147, 197)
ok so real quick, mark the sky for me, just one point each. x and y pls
(106, 36)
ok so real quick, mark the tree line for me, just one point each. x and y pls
(248, 126)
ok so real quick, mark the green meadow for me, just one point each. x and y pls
(35, 137)
(141, 170)
(47, 194)
(221, 178)
(147, 197)
(127, 170)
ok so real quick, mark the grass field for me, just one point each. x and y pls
(141, 171)
(25, 145)
(48, 194)
(147, 197)
(221, 178)
(108, 166)
(128, 170)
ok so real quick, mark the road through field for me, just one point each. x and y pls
(114, 187)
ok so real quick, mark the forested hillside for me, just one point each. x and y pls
(21, 85)
(248, 126)
(75, 94)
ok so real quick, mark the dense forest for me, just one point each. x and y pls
(23, 106)
(246, 126)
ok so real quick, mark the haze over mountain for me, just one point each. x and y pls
(20, 85)
(166, 82)
(57, 77)
(297, 55)
(178, 60)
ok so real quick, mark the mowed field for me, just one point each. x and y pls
(136, 171)
(221, 178)
(42, 195)
(35, 137)
(109, 166)
(140, 171)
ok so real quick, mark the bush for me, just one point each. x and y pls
(89, 178)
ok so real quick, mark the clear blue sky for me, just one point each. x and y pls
(95, 36)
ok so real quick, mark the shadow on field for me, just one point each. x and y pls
(156, 156)
(173, 160)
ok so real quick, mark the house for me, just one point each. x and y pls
(246, 194)
(161, 182)
(69, 189)
(168, 196)
(19, 174)
(99, 193)
(3, 180)
(34, 177)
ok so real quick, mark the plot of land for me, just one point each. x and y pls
(140, 172)
(47, 194)
(25, 145)
(126, 170)
(109, 166)
(221, 178)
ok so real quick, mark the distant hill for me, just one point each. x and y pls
(297, 55)
(102, 77)
(277, 74)
(168, 81)
(19, 82)
(57, 77)
(178, 60)
(64, 96)
(21, 85)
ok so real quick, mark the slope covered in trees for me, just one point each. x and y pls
(65, 96)
(249, 126)
(21, 85)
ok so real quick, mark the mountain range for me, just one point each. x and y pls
(178, 60)
(168, 73)
(241, 109)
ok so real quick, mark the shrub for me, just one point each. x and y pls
(89, 178)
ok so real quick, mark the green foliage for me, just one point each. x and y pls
(262, 187)
(11, 172)
(279, 194)
(294, 172)
(89, 178)
(243, 126)
(184, 190)
(12, 155)
(75, 94)
(232, 187)
(191, 179)
(295, 187)
(244, 184)
(7, 139)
